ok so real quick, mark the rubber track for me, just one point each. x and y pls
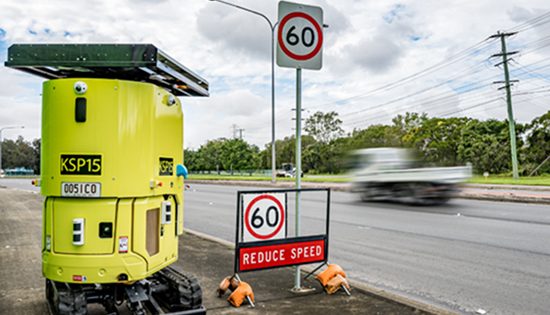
(69, 301)
(189, 293)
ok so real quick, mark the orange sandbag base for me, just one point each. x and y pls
(241, 291)
(333, 278)
(228, 283)
(336, 283)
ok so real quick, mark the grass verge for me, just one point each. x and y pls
(313, 179)
(506, 180)
(493, 180)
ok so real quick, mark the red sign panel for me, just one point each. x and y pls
(279, 255)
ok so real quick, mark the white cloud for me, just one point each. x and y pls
(368, 45)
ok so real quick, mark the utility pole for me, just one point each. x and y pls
(240, 130)
(507, 82)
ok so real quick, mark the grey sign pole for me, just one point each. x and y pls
(298, 173)
(273, 155)
(300, 43)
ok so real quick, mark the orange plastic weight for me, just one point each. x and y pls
(237, 297)
(224, 285)
(332, 271)
(227, 283)
(335, 283)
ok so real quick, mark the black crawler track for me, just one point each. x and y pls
(165, 292)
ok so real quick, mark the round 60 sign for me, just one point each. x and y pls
(264, 217)
(299, 36)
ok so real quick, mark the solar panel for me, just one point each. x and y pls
(136, 62)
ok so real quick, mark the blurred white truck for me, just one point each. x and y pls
(393, 174)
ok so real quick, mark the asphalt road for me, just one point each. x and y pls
(464, 256)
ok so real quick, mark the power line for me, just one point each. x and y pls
(536, 48)
(464, 102)
(472, 86)
(408, 96)
(470, 107)
(468, 98)
(451, 60)
(458, 57)
(441, 99)
(537, 41)
(529, 24)
(530, 76)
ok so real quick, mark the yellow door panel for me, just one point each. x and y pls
(93, 213)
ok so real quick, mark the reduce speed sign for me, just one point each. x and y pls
(300, 36)
(264, 217)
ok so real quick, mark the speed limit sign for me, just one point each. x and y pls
(300, 36)
(264, 216)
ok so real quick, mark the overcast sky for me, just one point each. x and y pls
(369, 48)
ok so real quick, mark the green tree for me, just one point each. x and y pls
(324, 127)
(285, 151)
(438, 139)
(18, 153)
(486, 144)
(209, 156)
(36, 145)
(223, 154)
(374, 136)
(319, 157)
(236, 154)
(537, 146)
(191, 159)
(408, 125)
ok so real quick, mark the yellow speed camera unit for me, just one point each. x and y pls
(112, 174)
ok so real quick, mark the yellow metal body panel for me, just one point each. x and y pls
(93, 211)
(129, 124)
(167, 238)
(129, 143)
(66, 262)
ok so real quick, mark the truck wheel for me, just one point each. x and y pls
(431, 195)
(441, 200)
(367, 194)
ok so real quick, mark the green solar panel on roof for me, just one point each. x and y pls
(137, 62)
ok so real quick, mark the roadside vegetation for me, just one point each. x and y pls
(437, 141)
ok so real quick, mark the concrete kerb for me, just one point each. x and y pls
(506, 198)
(356, 285)
(510, 187)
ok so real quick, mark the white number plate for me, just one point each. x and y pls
(89, 190)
